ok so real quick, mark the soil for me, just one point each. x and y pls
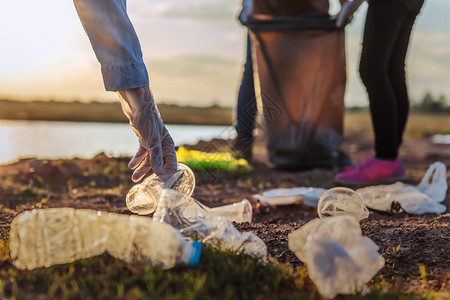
(406, 241)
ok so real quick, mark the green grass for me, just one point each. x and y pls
(219, 275)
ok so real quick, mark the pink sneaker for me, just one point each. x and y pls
(373, 171)
(363, 161)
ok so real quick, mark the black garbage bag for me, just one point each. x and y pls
(299, 61)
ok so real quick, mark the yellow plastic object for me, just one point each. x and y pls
(204, 161)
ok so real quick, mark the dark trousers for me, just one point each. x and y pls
(382, 69)
(246, 105)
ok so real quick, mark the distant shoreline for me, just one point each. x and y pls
(109, 112)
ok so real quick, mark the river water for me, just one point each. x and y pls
(53, 140)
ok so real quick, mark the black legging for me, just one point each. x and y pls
(382, 70)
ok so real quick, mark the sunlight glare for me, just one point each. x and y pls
(35, 36)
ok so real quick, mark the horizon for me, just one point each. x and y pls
(185, 68)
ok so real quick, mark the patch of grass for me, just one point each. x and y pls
(223, 275)
(219, 275)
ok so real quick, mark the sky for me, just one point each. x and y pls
(193, 51)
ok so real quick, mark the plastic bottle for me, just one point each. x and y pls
(341, 201)
(197, 222)
(221, 234)
(46, 237)
(180, 210)
(239, 212)
(143, 198)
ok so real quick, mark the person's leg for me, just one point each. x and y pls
(246, 108)
(397, 71)
(384, 21)
(115, 43)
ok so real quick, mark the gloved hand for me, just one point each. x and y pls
(156, 148)
(348, 8)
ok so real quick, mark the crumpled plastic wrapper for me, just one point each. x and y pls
(339, 259)
(420, 199)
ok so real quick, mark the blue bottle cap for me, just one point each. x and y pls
(196, 251)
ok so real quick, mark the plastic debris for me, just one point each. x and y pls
(277, 197)
(204, 161)
(46, 237)
(204, 224)
(239, 212)
(339, 259)
(420, 199)
(143, 198)
(221, 234)
(342, 201)
(180, 210)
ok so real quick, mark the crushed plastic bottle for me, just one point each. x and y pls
(239, 212)
(46, 237)
(143, 198)
(221, 234)
(339, 259)
(342, 201)
(197, 222)
(180, 210)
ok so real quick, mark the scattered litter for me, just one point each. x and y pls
(339, 259)
(239, 212)
(342, 201)
(180, 210)
(143, 198)
(220, 233)
(205, 161)
(441, 139)
(277, 197)
(420, 199)
(211, 226)
(46, 237)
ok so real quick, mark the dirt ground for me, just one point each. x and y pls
(405, 241)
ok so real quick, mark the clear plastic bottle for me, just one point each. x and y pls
(239, 212)
(46, 237)
(197, 222)
(342, 201)
(221, 234)
(180, 210)
(143, 198)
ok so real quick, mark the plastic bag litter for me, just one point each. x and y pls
(204, 224)
(420, 199)
(217, 161)
(277, 197)
(339, 259)
(342, 201)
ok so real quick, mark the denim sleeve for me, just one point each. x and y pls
(115, 43)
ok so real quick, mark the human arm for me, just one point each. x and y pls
(348, 8)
